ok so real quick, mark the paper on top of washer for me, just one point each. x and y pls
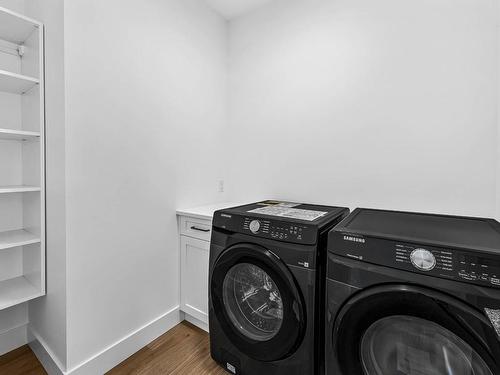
(289, 212)
(278, 203)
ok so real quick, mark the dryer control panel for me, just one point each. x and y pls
(480, 269)
(465, 266)
(449, 263)
(452, 264)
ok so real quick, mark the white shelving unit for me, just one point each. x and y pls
(22, 160)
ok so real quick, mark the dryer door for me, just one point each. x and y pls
(407, 330)
(257, 302)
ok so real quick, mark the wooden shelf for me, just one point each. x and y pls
(18, 189)
(15, 238)
(15, 27)
(16, 83)
(18, 135)
(15, 291)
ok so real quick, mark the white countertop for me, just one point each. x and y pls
(206, 212)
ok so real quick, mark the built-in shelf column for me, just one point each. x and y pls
(22, 160)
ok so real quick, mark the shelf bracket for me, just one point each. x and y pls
(21, 50)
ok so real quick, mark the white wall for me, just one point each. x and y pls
(388, 103)
(498, 113)
(47, 315)
(145, 108)
(498, 177)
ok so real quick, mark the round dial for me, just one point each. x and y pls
(255, 226)
(423, 259)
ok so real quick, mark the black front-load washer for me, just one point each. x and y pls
(267, 272)
(412, 294)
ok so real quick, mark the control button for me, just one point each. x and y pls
(423, 259)
(463, 275)
(495, 281)
(467, 276)
(254, 226)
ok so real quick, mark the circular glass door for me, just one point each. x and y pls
(257, 303)
(411, 330)
(407, 345)
(253, 302)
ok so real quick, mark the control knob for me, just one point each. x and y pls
(254, 226)
(423, 259)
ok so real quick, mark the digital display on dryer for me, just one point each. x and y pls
(484, 270)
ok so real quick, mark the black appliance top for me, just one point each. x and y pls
(284, 221)
(310, 214)
(448, 231)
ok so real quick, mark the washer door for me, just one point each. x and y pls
(253, 302)
(257, 302)
(408, 330)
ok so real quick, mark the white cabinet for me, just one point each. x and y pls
(195, 230)
(194, 277)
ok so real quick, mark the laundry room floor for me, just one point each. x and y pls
(184, 350)
(21, 361)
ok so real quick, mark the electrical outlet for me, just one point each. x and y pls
(220, 186)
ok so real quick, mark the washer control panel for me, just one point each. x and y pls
(277, 230)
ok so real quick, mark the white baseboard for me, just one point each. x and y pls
(113, 354)
(13, 338)
(197, 322)
(49, 361)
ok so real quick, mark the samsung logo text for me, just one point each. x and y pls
(354, 239)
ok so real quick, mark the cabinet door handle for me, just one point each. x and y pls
(200, 229)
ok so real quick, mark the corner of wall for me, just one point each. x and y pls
(497, 187)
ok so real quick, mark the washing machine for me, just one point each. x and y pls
(413, 294)
(267, 272)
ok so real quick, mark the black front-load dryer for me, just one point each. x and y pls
(267, 272)
(412, 294)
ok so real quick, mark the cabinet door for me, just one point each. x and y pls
(194, 277)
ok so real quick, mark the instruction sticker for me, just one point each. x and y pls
(278, 203)
(289, 212)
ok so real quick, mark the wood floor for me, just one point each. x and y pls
(21, 361)
(184, 350)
